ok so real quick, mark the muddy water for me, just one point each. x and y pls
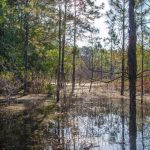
(89, 124)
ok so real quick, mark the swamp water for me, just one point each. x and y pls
(92, 124)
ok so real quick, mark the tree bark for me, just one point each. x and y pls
(92, 71)
(123, 50)
(101, 64)
(59, 56)
(64, 41)
(111, 53)
(74, 48)
(142, 61)
(132, 66)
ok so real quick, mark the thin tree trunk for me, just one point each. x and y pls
(63, 42)
(142, 61)
(132, 65)
(123, 50)
(59, 56)
(74, 48)
(92, 71)
(101, 65)
(142, 80)
(26, 48)
(111, 65)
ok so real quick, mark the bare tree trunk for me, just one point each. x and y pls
(26, 48)
(132, 65)
(59, 56)
(123, 50)
(142, 61)
(111, 65)
(101, 65)
(63, 42)
(92, 70)
(74, 48)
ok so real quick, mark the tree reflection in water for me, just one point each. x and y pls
(97, 123)
(123, 124)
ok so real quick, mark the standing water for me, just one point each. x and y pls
(98, 123)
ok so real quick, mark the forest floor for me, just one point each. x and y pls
(34, 107)
(105, 90)
(39, 111)
(18, 104)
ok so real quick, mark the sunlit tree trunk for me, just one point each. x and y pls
(132, 65)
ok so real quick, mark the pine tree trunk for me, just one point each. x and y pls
(92, 71)
(142, 61)
(59, 57)
(74, 49)
(63, 42)
(132, 65)
(123, 50)
(111, 65)
(101, 65)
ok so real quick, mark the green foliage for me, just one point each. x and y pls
(2, 11)
(48, 110)
(139, 58)
(50, 88)
(43, 40)
(7, 75)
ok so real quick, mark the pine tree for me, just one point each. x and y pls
(111, 21)
(132, 66)
(59, 54)
(121, 11)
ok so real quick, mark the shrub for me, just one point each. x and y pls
(50, 88)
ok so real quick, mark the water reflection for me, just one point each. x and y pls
(100, 124)
(132, 123)
(142, 125)
(89, 124)
(123, 123)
